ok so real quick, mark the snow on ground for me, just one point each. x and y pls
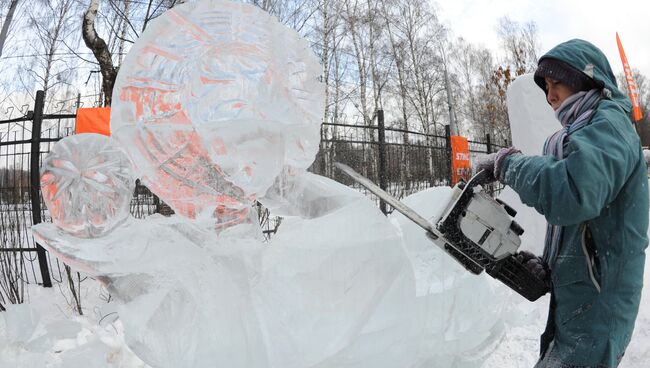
(520, 345)
(44, 332)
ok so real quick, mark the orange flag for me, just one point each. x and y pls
(459, 159)
(94, 120)
(631, 84)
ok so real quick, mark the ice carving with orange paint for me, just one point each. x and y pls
(215, 105)
(218, 105)
(87, 184)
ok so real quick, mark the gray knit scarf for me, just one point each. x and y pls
(574, 113)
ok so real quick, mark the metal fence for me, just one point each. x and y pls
(400, 161)
(22, 260)
(20, 153)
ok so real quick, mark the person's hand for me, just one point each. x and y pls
(486, 163)
(493, 162)
(534, 264)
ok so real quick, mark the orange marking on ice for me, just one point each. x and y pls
(51, 188)
(165, 106)
(227, 218)
(162, 106)
(161, 52)
(242, 48)
(205, 80)
(152, 81)
(226, 200)
(180, 118)
(196, 32)
(190, 210)
(195, 138)
(238, 105)
(248, 170)
(131, 94)
(219, 146)
(268, 76)
(156, 102)
(97, 219)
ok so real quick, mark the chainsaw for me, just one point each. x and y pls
(475, 229)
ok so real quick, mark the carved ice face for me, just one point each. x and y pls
(213, 101)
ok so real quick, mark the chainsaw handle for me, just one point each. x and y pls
(482, 177)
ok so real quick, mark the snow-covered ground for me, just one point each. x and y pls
(44, 332)
(519, 347)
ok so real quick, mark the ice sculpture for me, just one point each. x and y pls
(326, 291)
(346, 283)
(461, 316)
(210, 104)
(87, 185)
(218, 105)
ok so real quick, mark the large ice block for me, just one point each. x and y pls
(531, 120)
(461, 316)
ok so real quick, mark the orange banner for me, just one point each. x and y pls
(631, 84)
(94, 120)
(460, 164)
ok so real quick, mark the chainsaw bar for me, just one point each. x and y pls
(450, 238)
(407, 211)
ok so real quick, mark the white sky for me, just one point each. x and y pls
(596, 21)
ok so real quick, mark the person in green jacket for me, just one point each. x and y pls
(591, 186)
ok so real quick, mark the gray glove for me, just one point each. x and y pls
(534, 264)
(486, 163)
(493, 162)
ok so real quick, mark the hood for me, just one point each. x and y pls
(588, 58)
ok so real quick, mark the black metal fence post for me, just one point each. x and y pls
(448, 150)
(383, 182)
(488, 143)
(323, 152)
(35, 185)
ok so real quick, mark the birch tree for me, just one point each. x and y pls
(54, 24)
(355, 17)
(100, 50)
(520, 44)
(472, 66)
(4, 31)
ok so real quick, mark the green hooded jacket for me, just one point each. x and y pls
(599, 194)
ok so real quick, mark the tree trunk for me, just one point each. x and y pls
(361, 62)
(99, 48)
(53, 45)
(5, 26)
(405, 174)
(120, 49)
(325, 60)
